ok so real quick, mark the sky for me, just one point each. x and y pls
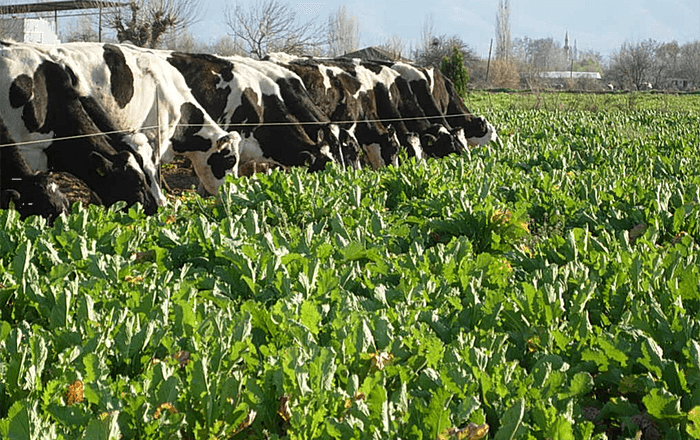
(600, 25)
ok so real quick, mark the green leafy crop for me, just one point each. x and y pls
(548, 288)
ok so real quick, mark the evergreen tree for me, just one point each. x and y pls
(453, 68)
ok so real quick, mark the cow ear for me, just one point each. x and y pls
(100, 163)
(9, 195)
(319, 136)
(121, 159)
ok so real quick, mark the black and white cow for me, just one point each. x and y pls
(39, 107)
(472, 130)
(348, 95)
(269, 107)
(402, 94)
(141, 92)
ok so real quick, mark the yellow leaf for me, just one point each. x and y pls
(471, 432)
(75, 393)
(381, 359)
(283, 409)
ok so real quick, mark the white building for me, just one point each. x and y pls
(34, 30)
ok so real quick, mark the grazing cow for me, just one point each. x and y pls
(33, 193)
(141, 92)
(41, 107)
(346, 93)
(270, 107)
(470, 129)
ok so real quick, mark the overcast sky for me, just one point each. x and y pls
(601, 25)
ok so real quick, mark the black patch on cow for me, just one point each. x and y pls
(21, 91)
(287, 143)
(101, 119)
(121, 77)
(220, 162)
(73, 77)
(247, 115)
(203, 74)
(38, 113)
(185, 137)
(299, 104)
(438, 142)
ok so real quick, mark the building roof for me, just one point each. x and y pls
(66, 5)
(373, 53)
(569, 74)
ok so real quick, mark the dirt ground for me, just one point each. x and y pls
(179, 177)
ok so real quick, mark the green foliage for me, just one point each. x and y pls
(453, 67)
(547, 288)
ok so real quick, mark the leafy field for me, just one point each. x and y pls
(545, 289)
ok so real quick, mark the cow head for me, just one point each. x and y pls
(385, 151)
(36, 194)
(414, 145)
(488, 135)
(390, 146)
(147, 160)
(350, 149)
(437, 141)
(213, 165)
(119, 177)
(339, 145)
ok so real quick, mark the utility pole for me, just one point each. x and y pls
(488, 64)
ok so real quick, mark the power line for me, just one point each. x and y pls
(243, 124)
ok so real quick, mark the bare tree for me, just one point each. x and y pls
(689, 65)
(183, 41)
(150, 20)
(272, 26)
(539, 55)
(12, 28)
(82, 29)
(634, 64)
(503, 41)
(394, 45)
(442, 46)
(344, 33)
(226, 46)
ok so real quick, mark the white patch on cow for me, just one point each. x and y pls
(374, 155)
(324, 68)
(459, 135)
(414, 143)
(368, 79)
(395, 159)
(34, 153)
(431, 78)
(141, 146)
(53, 187)
(408, 72)
(490, 136)
(326, 151)
(250, 150)
(281, 57)
(155, 185)
(247, 74)
(335, 130)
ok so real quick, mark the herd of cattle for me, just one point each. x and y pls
(111, 114)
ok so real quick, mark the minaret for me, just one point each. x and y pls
(566, 46)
